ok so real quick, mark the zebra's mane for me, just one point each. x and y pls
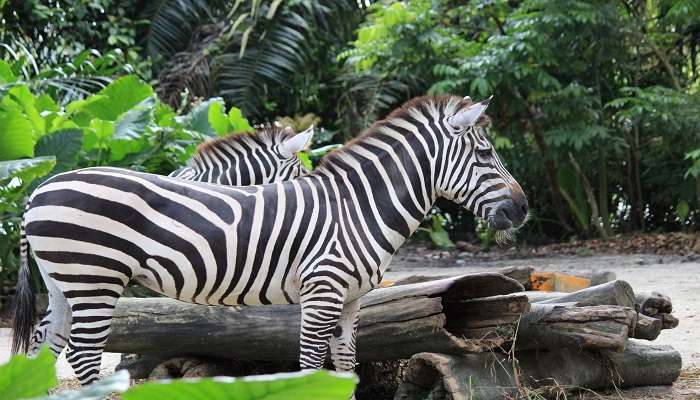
(428, 105)
(264, 136)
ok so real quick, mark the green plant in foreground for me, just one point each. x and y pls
(25, 378)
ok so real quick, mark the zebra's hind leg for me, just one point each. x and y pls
(343, 352)
(54, 328)
(321, 308)
(92, 316)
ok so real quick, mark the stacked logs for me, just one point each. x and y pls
(479, 335)
(565, 341)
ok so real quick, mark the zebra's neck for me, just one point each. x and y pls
(391, 171)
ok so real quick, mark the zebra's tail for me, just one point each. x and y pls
(23, 305)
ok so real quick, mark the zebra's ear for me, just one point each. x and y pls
(297, 143)
(469, 116)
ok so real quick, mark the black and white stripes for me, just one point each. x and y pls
(322, 240)
(243, 159)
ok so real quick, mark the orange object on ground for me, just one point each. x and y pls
(558, 282)
(386, 283)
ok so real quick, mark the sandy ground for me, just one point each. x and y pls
(675, 276)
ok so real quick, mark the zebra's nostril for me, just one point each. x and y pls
(524, 208)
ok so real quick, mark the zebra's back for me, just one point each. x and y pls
(195, 242)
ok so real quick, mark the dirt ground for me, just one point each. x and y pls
(676, 276)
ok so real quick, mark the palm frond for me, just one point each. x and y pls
(274, 53)
(173, 22)
(364, 98)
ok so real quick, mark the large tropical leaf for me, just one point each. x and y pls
(117, 383)
(26, 169)
(198, 118)
(23, 377)
(132, 124)
(16, 138)
(26, 103)
(65, 145)
(118, 97)
(317, 385)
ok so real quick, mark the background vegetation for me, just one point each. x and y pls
(596, 109)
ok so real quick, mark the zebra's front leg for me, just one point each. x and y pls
(343, 351)
(321, 308)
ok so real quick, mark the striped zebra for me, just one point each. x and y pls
(268, 155)
(265, 156)
(321, 240)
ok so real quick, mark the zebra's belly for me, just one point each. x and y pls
(258, 293)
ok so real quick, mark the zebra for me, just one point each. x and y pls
(265, 156)
(321, 240)
(269, 155)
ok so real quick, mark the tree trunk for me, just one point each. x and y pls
(590, 196)
(492, 376)
(603, 188)
(550, 169)
(549, 326)
(550, 174)
(395, 323)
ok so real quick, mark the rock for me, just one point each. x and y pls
(468, 247)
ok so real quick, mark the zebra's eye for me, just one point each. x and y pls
(483, 152)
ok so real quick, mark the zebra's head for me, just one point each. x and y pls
(267, 155)
(473, 175)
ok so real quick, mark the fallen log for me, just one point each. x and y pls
(615, 293)
(552, 326)
(647, 328)
(536, 373)
(395, 323)
(619, 293)
(653, 303)
(520, 274)
(668, 321)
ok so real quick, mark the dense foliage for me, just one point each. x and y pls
(124, 124)
(595, 110)
(24, 378)
(596, 106)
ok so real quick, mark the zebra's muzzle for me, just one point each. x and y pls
(509, 214)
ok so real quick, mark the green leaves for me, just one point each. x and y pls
(437, 233)
(317, 385)
(237, 122)
(24, 378)
(26, 169)
(118, 97)
(198, 118)
(209, 118)
(65, 145)
(224, 124)
(16, 135)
